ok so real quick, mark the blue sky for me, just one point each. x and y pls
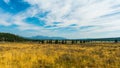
(64, 18)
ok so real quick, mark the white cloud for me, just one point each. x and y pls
(78, 11)
(4, 18)
(6, 1)
(7, 19)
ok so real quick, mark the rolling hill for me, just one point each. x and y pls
(11, 37)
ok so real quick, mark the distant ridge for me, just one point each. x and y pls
(12, 38)
(46, 38)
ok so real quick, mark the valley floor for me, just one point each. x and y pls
(34, 55)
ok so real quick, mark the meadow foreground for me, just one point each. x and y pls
(34, 55)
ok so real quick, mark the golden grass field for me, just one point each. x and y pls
(34, 55)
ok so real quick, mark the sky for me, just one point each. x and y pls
(71, 19)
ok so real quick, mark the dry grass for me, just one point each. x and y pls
(33, 55)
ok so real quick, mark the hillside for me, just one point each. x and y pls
(10, 37)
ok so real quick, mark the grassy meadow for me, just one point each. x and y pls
(34, 55)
